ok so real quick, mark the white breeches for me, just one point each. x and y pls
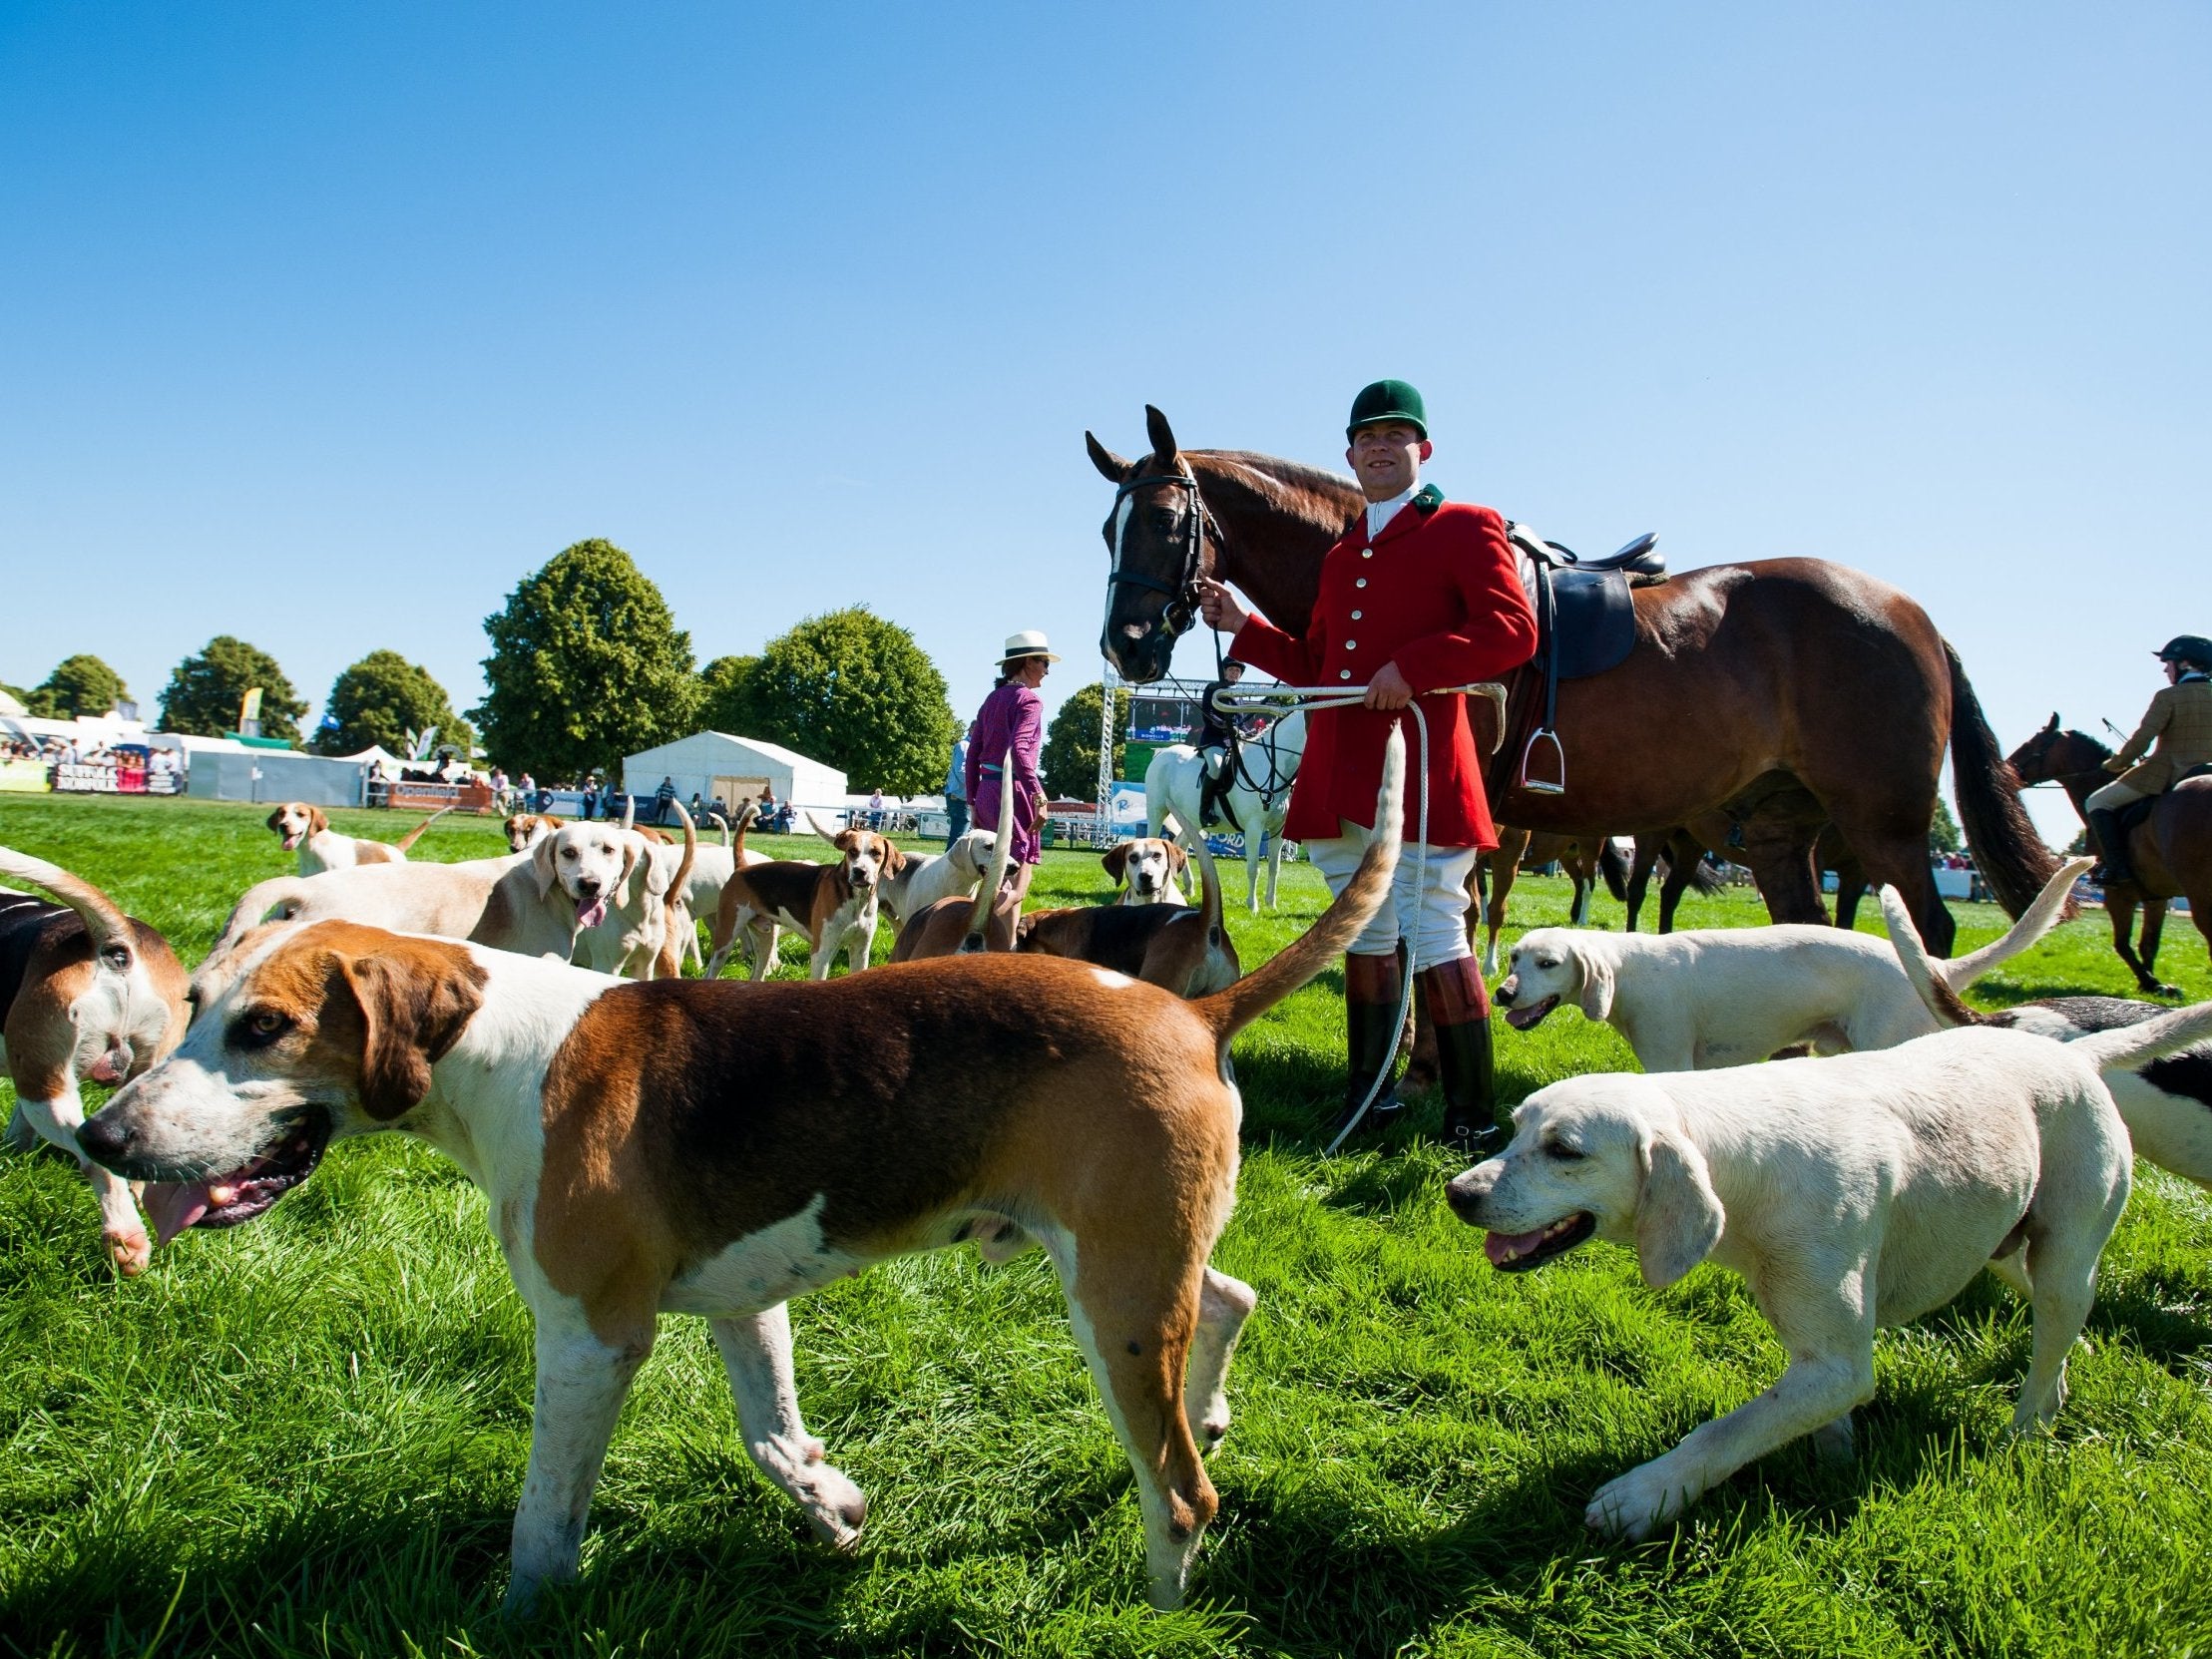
(1432, 916)
(2113, 796)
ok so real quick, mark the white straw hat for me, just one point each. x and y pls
(1029, 644)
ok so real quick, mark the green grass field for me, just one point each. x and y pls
(306, 1436)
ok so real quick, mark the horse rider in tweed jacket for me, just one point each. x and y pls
(2180, 721)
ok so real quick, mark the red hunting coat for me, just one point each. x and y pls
(1440, 595)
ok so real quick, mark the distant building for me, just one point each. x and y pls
(733, 770)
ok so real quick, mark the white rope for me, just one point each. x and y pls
(1274, 702)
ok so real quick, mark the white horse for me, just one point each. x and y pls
(1172, 786)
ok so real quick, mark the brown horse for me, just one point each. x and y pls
(1685, 849)
(2171, 849)
(1789, 680)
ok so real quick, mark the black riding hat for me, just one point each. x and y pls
(2187, 647)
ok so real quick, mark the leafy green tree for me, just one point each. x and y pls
(380, 700)
(725, 685)
(853, 691)
(587, 667)
(80, 684)
(1942, 829)
(203, 695)
(1070, 759)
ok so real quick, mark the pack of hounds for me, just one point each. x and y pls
(651, 1144)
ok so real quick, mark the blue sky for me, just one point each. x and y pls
(326, 324)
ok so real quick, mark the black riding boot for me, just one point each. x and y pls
(2104, 824)
(1372, 987)
(1456, 1007)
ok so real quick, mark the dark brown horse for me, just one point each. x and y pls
(2171, 849)
(1685, 851)
(1585, 862)
(1786, 680)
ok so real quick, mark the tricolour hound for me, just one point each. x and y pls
(689, 1147)
(87, 994)
(834, 905)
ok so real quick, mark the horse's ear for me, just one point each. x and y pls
(2053, 726)
(1110, 466)
(1161, 435)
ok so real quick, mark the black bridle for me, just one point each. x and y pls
(1182, 595)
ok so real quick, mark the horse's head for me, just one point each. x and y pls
(2053, 754)
(1159, 538)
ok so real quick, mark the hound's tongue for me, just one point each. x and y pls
(291, 843)
(174, 1205)
(589, 913)
(1501, 1248)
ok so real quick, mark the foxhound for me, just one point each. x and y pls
(1713, 996)
(926, 878)
(597, 894)
(306, 830)
(689, 1147)
(1852, 1192)
(1183, 950)
(1147, 870)
(447, 900)
(87, 994)
(834, 905)
(524, 830)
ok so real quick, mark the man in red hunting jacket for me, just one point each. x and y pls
(1419, 594)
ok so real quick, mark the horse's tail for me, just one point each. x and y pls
(1229, 1011)
(1612, 867)
(2006, 850)
(415, 834)
(1702, 877)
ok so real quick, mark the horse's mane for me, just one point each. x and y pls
(2096, 748)
(1322, 498)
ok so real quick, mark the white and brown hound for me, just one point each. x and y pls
(671, 1148)
(306, 830)
(597, 894)
(87, 994)
(1148, 869)
(834, 905)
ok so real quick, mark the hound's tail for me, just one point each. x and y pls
(1938, 982)
(112, 938)
(681, 883)
(2132, 1046)
(1002, 853)
(1209, 882)
(415, 834)
(745, 816)
(279, 892)
(814, 824)
(1229, 1011)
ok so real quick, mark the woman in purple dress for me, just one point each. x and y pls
(1011, 717)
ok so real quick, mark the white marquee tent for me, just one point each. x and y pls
(731, 769)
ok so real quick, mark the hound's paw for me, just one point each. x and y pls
(835, 1507)
(1633, 1506)
(132, 1251)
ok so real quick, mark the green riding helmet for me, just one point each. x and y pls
(2192, 648)
(1388, 400)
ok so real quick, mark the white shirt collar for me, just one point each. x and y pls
(1380, 513)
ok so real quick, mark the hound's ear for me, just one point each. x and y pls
(1110, 466)
(659, 876)
(318, 820)
(1116, 861)
(276, 820)
(894, 857)
(1161, 435)
(540, 864)
(414, 1000)
(633, 847)
(1679, 1218)
(1597, 985)
(1179, 861)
